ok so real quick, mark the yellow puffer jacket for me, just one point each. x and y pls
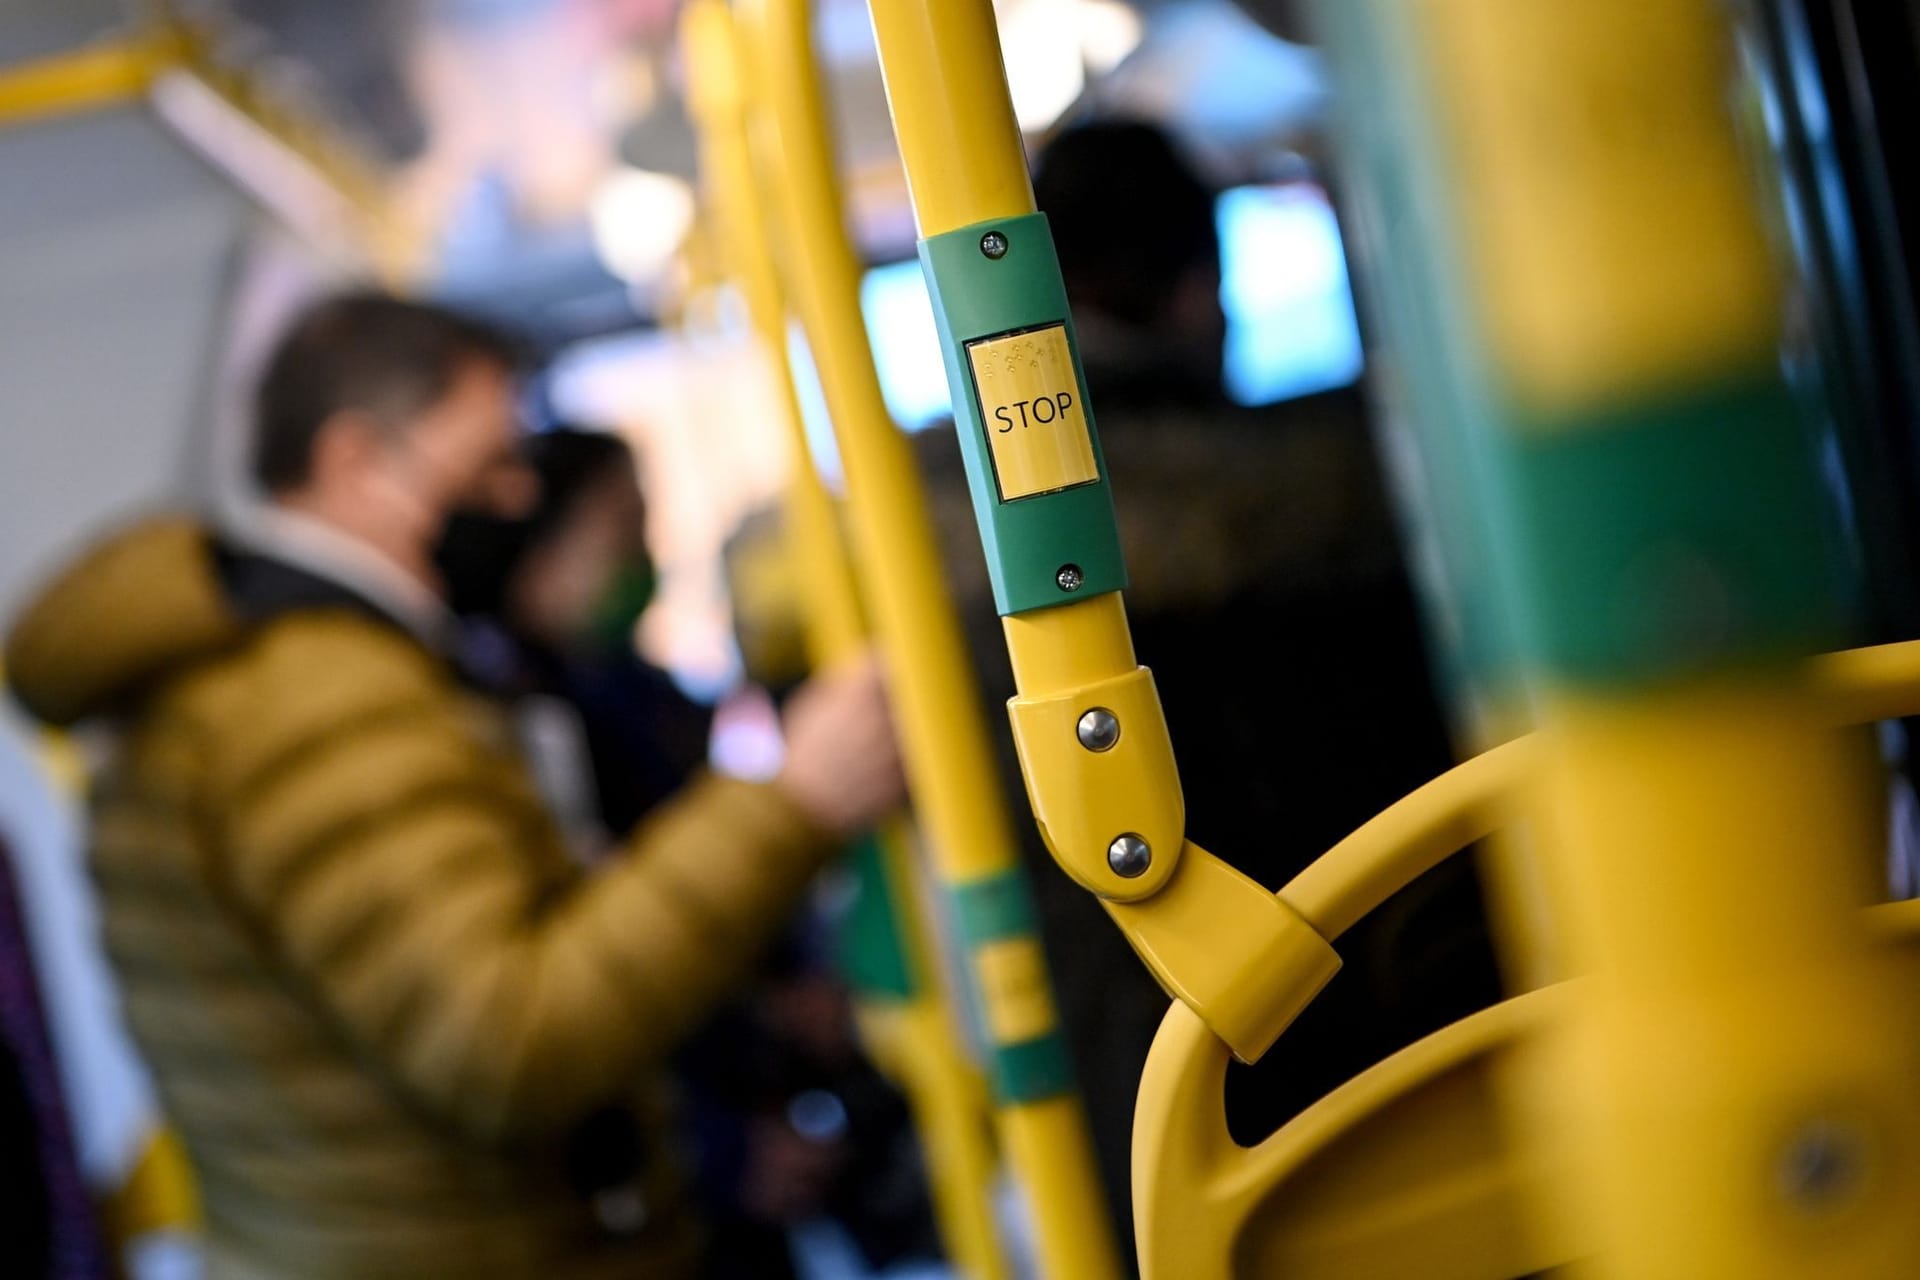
(377, 995)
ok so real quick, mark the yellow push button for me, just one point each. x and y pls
(1030, 404)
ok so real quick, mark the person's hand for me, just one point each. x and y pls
(842, 764)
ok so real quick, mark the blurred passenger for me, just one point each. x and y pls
(1134, 228)
(788, 1121)
(402, 1033)
(1269, 596)
(550, 599)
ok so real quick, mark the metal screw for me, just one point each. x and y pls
(1070, 577)
(1823, 1166)
(994, 245)
(1129, 856)
(1098, 729)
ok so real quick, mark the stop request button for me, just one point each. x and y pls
(1031, 412)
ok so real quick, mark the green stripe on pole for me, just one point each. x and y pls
(999, 906)
(996, 909)
(1033, 1070)
(1681, 534)
(870, 952)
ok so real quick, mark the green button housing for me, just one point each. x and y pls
(1028, 541)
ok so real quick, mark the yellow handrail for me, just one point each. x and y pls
(1414, 834)
(916, 1040)
(947, 87)
(937, 705)
(82, 80)
(171, 52)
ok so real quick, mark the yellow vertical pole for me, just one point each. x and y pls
(1111, 812)
(917, 1040)
(949, 762)
(1731, 1089)
(966, 165)
(1732, 1093)
(947, 88)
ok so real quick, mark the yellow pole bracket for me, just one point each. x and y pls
(1104, 787)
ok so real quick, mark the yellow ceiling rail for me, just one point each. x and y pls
(343, 169)
(108, 74)
(171, 65)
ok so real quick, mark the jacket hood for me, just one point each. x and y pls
(136, 605)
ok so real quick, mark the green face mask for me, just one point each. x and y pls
(625, 597)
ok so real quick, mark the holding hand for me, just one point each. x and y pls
(843, 763)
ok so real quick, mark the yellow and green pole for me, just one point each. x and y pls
(1087, 720)
(1093, 740)
(906, 1016)
(950, 766)
(1579, 284)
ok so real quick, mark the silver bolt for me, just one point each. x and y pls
(1823, 1166)
(1098, 729)
(1129, 856)
(994, 245)
(1070, 577)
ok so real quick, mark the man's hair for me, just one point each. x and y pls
(363, 351)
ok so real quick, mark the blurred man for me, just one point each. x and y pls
(401, 1032)
(550, 599)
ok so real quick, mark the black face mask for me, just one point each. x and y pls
(476, 555)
